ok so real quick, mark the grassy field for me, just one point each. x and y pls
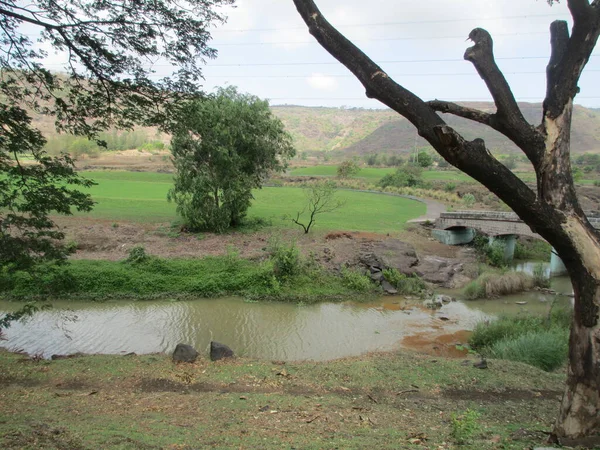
(396, 400)
(141, 197)
(374, 174)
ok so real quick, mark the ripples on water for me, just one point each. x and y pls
(259, 330)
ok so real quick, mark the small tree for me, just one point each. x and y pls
(223, 147)
(321, 199)
(405, 176)
(424, 159)
(347, 169)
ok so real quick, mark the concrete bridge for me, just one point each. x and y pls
(459, 227)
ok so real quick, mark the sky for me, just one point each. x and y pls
(265, 49)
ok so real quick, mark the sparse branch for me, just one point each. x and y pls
(579, 8)
(508, 119)
(570, 54)
(462, 111)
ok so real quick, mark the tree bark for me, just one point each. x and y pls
(553, 211)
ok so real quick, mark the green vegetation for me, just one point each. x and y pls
(405, 284)
(141, 197)
(224, 145)
(285, 276)
(535, 249)
(539, 341)
(347, 169)
(464, 426)
(405, 176)
(262, 404)
(493, 284)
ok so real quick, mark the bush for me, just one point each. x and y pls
(532, 249)
(540, 277)
(137, 255)
(468, 200)
(356, 280)
(405, 176)
(405, 284)
(286, 260)
(490, 285)
(547, 350)
(450, 187)
(464, 426)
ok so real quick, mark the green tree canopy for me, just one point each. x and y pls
(223, 147)
(105, 82)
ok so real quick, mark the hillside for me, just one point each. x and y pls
(363, 131)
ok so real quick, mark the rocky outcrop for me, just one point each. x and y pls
(399, 255)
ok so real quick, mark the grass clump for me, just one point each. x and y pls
(464, 426)
(540, 277)
(405, 284)
(356, 280)
(491, 284)
(538, 341)
(547, 349)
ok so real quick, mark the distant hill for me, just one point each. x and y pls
(363, 131)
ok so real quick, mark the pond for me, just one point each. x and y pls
(275, 331)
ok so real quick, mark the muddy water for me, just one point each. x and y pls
(259, 330)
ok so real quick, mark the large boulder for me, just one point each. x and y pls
(438, 270)
(391, 253)
(219, 351)
(185, 353)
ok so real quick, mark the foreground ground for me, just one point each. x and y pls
(399, 400)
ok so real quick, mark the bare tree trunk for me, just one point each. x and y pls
(553, 211)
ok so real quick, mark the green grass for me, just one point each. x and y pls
(154, 277)
(141, 197)
(538, 341)
(374, 174)
(375, 401)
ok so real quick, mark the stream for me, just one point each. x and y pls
(277, 331)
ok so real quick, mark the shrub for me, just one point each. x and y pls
(486, 334)
(490, 285)
(468, 200)
(286, 260)
(464, 426)
(405, 284)
(547, 350)
(137, 255)
(540, 277)
(450, 187)
(356, 280)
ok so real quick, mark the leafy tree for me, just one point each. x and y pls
(553, 209)
(320, 199)
(371, 159)
(405, 176)
(223, 147)
(103, 83)
(424, 159)
(347, 169)
(510, 162)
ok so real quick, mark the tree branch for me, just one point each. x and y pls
(579, 8)
(472, 157)
(508, 119)
(462, 111)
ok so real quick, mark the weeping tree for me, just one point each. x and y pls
(552, 208)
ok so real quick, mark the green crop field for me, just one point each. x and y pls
(141, 197)
(374, 174)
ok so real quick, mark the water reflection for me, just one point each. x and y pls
(259, 330)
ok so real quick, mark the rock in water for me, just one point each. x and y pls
(185, 353)
(219, 351)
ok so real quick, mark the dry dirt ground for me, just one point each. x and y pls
(107, 240)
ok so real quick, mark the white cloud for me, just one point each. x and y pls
(322, 82)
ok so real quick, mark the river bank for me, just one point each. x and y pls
(391, 400)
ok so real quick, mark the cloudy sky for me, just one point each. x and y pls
(266, 50)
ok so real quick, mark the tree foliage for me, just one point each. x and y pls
(407, 175)
(223, 147)
(347, 169)
(105, 82)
